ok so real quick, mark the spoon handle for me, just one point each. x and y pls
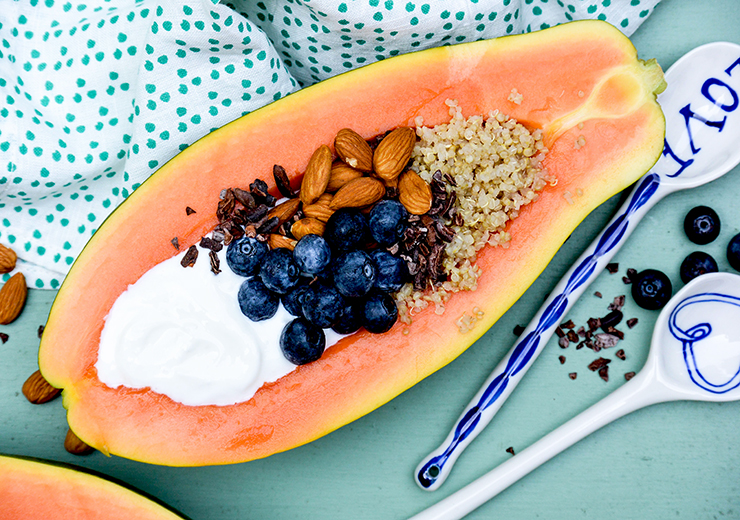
(434, 469)
(643, 390)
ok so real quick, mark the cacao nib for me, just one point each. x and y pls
(518, 329)
(244, 198)
(605, 340)
(598, 294)
(40, 331)
(598, 363)
(282, 181)
(4, 337)
(631, 322)
(604, 373)
(209, 243)
(612, 268)
(190, 257)
(175, 243)
(564, 342)
(568, 324)
(561, 359)
(629, 375)
(268, 226)
(572, 375)
(620, 354)
(189, 211)
(510, 449)
(215, 262)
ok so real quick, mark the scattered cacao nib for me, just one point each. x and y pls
(631, 322)
(175, 243)
(244, 198)
(282, 181)
(561, 359)
(612, 268)
(629, 375)
(568, 324)
(588, 334)
(631, 272)
(40, 331)
(564, 342)
(256, 214)
(190, 257)
(572, 375)
(593, 324)
(611, 319)
(605, 340)
(620, 354)
(209, 243)
(518, 329)
(581, 332)
(627, 280)
(580, 345)
(617, 304)
(258, 189)
(572, 336)
(615, 332)
(215, 262)
(598, 363)
(226, 205)
(598, 294)
(604, 373)
(4, 337)
(189, 211)
(559, 332)
(510, 449)
(268, 226)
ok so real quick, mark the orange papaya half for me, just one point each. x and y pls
(580, 83)
(34, 489)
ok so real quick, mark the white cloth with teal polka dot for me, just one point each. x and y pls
(97, 94)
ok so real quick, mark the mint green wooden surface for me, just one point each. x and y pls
(677, 460)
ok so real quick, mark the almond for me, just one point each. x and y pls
(317, 175)
(38, 390)
(74, 445)
(357, 193)
(7, 259)
(393, 153)
(414, 193)
(353, 149)
(275, 241)
(307, 226)
(341, 174)
(12, 298)
(320, 209)
(285, 210)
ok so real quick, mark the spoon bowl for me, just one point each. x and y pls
(694, 355)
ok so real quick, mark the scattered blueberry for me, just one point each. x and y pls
(696, 264)
(322, 304)
(701, 225)
(293, 299)
(651, 289)
(733, 252)
(387, 221)
(302, 342)
(279, 272)
(379, 313)
(350, 319)
(312, 254)
(346, 229)
(391, 271)
(354, 274)
(245, 255)
(256, 301)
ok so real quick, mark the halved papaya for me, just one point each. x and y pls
(581, 83)
(34, 489)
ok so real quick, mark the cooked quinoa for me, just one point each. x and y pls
(496, 165)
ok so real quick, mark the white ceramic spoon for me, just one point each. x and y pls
(694, 355)
(701, 106)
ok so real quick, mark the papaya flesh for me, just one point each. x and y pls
(34, 489)
(581, 84)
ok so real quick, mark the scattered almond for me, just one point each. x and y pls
(275, 240)
(7, 259)
(285, 210)
(341, 174)
(307, 226)
(74, 445)
(12, 298)
(320, 209)
(353, 149)
(357, 193)
(317, 175)
(38, 390)
(414, 193)
(393, 153)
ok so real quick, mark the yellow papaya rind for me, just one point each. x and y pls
(364, 371)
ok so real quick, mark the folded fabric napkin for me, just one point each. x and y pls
(98, 94)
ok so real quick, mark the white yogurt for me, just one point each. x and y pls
(180, 332)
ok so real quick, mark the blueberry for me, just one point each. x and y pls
(701, 225)
(245, 255)
(392, 271)
(387, 221)
(354, 274)
(696, 264)
(293, 299)
(350, 319)
(346, 229)
(733, 252)
(322, 304)
(302, 342)
(379, 313)
(279, 272)
(651, 289)
(256, 301)
(312, 254)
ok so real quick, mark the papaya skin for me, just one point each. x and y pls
(35, 489)
(581, 83)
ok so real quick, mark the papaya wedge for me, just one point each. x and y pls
(580, 83)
